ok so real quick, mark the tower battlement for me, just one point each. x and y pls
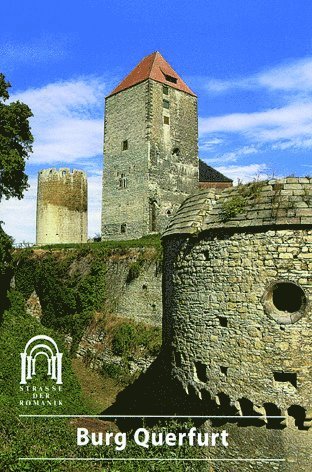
(62, 172)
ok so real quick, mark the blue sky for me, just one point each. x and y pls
(249, 61)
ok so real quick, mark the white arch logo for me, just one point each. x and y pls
(46, 346)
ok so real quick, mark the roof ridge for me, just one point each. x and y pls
(153, 67)
(153, 62)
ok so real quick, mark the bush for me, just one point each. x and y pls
(67, 300)
(129, 336)
(232, 207)
(120, 372)
(5, 252)
(6, 267)
(134, 270)
(246, 194)
(150, 338)
(124, 340)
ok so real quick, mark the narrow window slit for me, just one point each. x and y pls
(285, 377)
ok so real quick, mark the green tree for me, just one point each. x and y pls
(15, 143)
(5, 268)
(15, 146)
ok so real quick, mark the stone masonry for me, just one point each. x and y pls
(150, 149)
(61, 207)
(237, 314)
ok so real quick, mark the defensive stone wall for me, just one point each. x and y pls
(132, 281)
(61, 207)
(237, 312)
(138, 297)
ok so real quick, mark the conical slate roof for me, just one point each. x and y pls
(153, 67)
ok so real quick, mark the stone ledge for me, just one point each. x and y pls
(285, 201)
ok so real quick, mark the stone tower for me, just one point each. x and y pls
(150, 150)
(61, 207)
(238, 317)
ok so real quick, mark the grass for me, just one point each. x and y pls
(98, 391)
(146, 241)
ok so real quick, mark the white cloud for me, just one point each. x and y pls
(68, 120)
(282, 127)
(300, 143)
(208, 144)
(69, 140)
(245, 173)
(293, 119)
(64, 96)
(221, 86)
(20, 215)
(294, 76)
(291, 123)
(233, 155)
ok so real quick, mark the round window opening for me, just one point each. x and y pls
(285, 301)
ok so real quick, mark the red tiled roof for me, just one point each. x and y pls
(153, 67)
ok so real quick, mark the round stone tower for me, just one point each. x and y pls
(61, 207)
(238, 317)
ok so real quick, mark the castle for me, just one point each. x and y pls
(150, 161)
(237, 268)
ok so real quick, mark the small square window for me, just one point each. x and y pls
(166, 120)
(123, 228)
(125, 145)
(166, 104)
(165, 90)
